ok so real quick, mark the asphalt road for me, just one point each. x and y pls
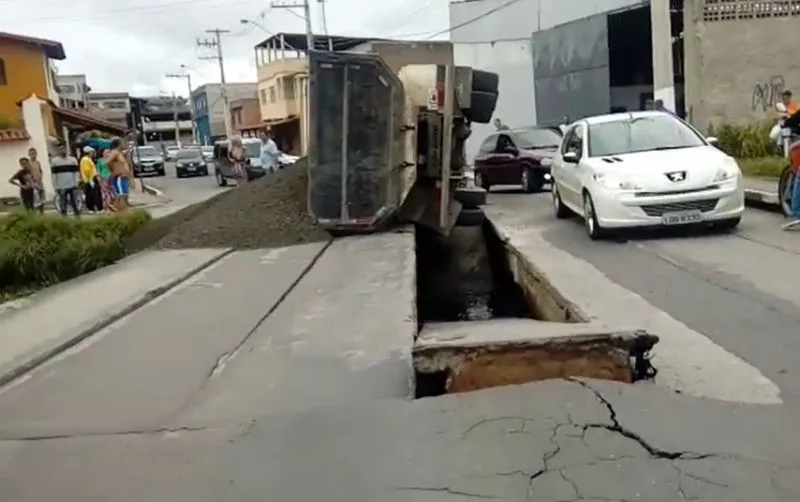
(184, 191)
(228, 388)
(738, 290)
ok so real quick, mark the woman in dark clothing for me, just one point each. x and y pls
(25, 180)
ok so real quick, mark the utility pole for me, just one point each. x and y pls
(188, 77)
(216, 43)
(175, 118)
(306, 6)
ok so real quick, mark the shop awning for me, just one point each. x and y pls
(73, 117)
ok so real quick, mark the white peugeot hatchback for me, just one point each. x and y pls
(644, 169)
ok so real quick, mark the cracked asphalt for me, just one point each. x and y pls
(285, 374)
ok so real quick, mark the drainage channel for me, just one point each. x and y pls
(487, 318)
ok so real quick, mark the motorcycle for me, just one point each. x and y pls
(791, 147)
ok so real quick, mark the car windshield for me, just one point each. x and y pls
(188, 154)
(537, 138)
(641, 134)
(252, 149)
(146, 151)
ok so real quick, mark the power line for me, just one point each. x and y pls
(216, 43)
(147, 9)
(477, 18)
(302, 4)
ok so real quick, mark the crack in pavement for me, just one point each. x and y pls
(131, 432)
(617, 428)
(447, 490)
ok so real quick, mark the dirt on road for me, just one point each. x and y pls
(265, 213)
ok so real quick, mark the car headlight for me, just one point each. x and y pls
(546, 162)
(729, 172)
(614, 182)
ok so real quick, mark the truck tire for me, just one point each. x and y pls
(470, 218)
(482, 107)
(485, 81)
(471, 198)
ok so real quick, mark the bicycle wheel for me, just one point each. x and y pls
(785, 185)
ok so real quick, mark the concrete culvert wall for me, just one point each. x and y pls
(489, 317)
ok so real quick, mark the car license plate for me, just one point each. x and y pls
(190, 168)
(147, 168)
(681, 217)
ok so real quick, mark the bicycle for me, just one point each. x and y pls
(79, 200)
(785, 189)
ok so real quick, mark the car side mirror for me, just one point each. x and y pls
(571, 157)
(713, 140)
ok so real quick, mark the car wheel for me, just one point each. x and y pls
(178, 174)
(162, 172)
(530, 180)
(559, 209)
(593, 228)
(482, 182)
(221, 181)
(728, 225)
(204, 172)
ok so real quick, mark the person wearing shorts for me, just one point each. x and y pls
(117, 163)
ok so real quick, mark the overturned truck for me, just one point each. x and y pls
(387, 134)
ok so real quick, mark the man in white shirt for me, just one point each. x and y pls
(269, 152)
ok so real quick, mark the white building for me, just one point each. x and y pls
(573, 58)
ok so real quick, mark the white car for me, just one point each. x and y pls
(644, 169)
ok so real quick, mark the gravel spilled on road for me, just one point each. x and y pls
(265, 213)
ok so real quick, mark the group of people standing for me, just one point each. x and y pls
(103, 179)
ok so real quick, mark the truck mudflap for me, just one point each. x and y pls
(422, 207)
(355, 142)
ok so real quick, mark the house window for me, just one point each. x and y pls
(272, 97)
(263, 96)
(3, 80)
(288, 88)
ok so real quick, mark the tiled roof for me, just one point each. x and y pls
(13, 135)
(53, 49)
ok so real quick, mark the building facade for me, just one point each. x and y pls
(740, 56)
(245, 117)
(26, 67)
(73, 91)
(112, 106)
(209, 108)
(164, 119)
(706, 59)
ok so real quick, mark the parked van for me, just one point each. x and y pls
(223, 167)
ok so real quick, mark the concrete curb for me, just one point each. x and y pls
(155, 192)
(8, 375)
(754, 196)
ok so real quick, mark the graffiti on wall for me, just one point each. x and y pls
(767, 94)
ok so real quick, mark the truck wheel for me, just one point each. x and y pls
(482, 107)
(470, 218)
(471, 198)
(485, 81)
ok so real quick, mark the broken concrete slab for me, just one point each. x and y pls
(148, 366)
(36, 328)
(686, 359)
(481, 354)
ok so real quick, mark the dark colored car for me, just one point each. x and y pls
(190, 162)
(517, 157)
(147, 160)
(223, 167)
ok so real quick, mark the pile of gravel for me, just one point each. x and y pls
(265, 213)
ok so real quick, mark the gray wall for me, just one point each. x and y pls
(737, 65)
(570, 70)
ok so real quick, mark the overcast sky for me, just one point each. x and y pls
(128, 45)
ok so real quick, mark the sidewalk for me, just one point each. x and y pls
(761, 191)
(35, 328)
